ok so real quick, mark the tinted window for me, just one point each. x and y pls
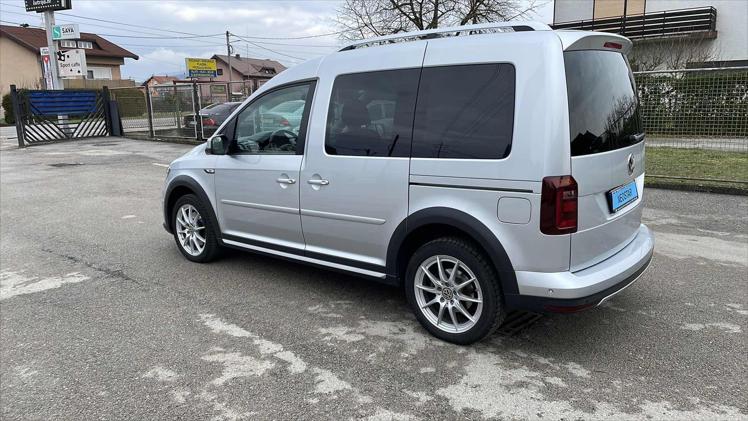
(603, 108)
(465, 112)
(371, 114)
(264, 127)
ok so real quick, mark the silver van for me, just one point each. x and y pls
(483, 168)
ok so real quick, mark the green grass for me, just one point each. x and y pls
(697, 163)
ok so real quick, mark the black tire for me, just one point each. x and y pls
(492, 314)
(212, 248)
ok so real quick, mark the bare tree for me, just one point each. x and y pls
(671, 53)
(366, 18)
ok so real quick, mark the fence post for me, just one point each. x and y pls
(107, 110)
(196, 108)
(149, 108)
(18, 117)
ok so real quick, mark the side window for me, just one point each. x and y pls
(371, 114)
(465, 112)
(272, 124)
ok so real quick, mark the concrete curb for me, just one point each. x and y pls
(694, 186)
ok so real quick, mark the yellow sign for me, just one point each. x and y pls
(201, 67)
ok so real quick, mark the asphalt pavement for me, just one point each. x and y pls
(102, 318)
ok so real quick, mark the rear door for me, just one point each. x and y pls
(354, 180)
(607, 153)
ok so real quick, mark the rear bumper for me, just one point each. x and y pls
(576, 291)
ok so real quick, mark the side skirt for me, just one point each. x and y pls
(318, 260)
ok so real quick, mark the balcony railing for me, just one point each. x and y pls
(697, 21)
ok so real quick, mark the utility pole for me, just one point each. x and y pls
(49, 22)
(231, 71)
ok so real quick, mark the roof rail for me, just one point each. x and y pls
(482, 28)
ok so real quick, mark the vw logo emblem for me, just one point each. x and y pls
(631, 164)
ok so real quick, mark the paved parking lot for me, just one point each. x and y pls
(102, 318)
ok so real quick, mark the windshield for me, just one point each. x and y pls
(603, 107)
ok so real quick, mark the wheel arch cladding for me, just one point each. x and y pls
(183, 185)
(427, 224)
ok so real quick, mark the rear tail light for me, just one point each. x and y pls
(558, 205)
(209, 122)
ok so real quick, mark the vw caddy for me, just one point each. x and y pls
(484, 168)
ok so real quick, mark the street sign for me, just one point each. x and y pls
(65, 32)
(72, 63)
(47, 5)
(201, 67)
(47, 67)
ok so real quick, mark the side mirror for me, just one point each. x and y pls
(217, 145)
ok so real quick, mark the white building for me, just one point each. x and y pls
(721, 26)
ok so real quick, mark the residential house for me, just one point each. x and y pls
(252, 71)
(21, 64)
(156, 80)
(668, 33)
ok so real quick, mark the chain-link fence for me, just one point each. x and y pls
(169, 110)
(133, 108)
(695, 108)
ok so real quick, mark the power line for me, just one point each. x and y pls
(184, 33)
(268, 49)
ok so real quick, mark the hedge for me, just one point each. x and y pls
(7, 104)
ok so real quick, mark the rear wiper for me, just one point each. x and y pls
(635, 138)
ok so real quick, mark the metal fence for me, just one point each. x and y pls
(695, 108)
(169, 110)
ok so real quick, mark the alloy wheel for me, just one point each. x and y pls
(190, 229)
(448, 294)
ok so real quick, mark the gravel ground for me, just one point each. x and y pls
(102, 318)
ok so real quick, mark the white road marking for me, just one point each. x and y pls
(160, 165)
(161, 374)
(14, 283)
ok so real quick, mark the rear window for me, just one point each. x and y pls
(465, 112)
(603, 107)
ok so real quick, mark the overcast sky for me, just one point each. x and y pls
(142, 27)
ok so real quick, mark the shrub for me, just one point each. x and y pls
(7, 104)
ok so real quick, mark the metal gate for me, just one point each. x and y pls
(46, 116)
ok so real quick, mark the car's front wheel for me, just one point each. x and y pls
(454, 290)
(193, 230)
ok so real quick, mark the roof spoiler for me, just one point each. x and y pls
(587, 40)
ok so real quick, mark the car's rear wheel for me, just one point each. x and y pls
(454, 290)
(193, 230)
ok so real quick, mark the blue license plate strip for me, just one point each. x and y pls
(622, 196)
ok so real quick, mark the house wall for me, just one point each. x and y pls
(18, 66)
(731, 43)
(110, 62)
(732, 24)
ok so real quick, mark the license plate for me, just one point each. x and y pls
(622, 196)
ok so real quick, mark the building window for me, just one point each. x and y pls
(220, 72)
(68, 44)
(89, 74)
(85, 45)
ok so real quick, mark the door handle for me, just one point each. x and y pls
(318, 182)
(286, 180)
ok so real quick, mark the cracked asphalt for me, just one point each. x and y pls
(102, 318)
